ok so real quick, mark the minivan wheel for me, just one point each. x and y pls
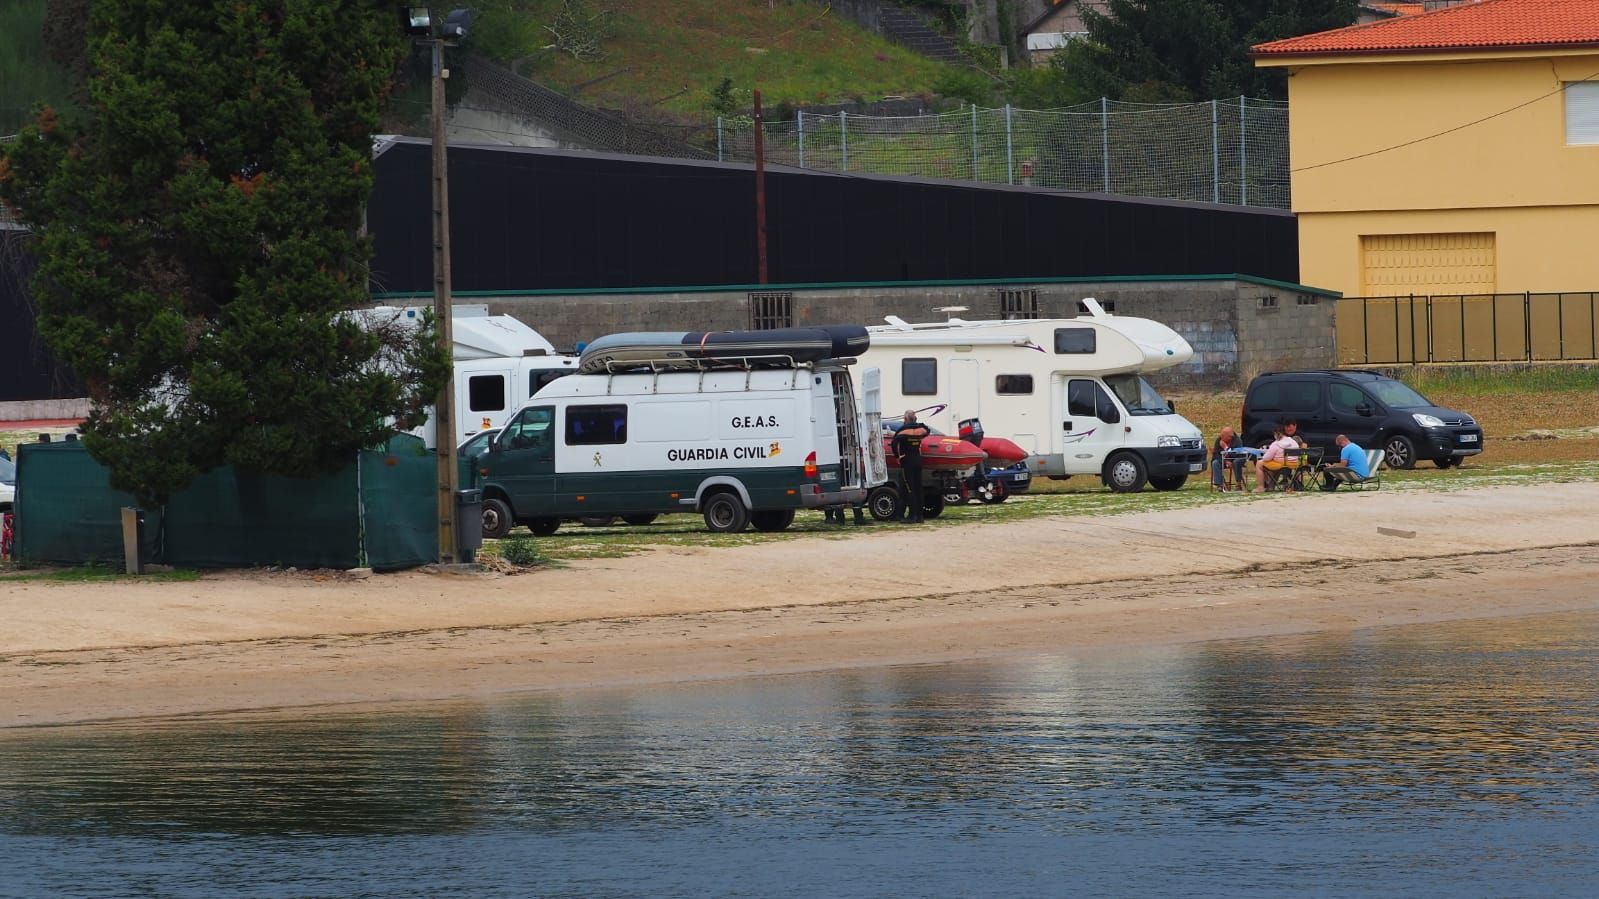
(497, 519)
(1171, 482)
(1125, 473)
(725, 514)
(1450, 462)
(1400, 452)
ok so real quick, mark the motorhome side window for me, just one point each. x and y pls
(1074, 340)
(1088, 399)
(589, 425)
(1013, 385)
(919, 377)
(485, 393)
(537, 379)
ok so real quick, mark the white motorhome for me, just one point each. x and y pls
(500, 363)
(1070, 392)
(740, 447)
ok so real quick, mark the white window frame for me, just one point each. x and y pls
(1582, 113)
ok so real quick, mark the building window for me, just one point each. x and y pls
(590, 425)
(1074, 340)
(1107, 305)
(1582, 113)
(918, 377)
(1014, 304)
(485, 393)
(1268, 302)
(1302, 300)
(771, 310)
(1013, 385)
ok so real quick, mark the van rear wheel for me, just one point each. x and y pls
(543, 527)
(725, 514)
(497, 518)
(640, 520)
(770, 521)
(884, 503)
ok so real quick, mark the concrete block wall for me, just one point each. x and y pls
(1233, 336)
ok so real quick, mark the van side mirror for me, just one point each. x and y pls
(1171, 406)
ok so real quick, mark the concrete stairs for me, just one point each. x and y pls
(907, 28)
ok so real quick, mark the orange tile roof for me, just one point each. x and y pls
(1488, 24)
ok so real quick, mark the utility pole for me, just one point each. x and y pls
(444, 426)
(760, 193)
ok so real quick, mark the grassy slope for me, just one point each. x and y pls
(27, 76)
(794, 52)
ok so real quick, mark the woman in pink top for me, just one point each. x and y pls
(1274, 459)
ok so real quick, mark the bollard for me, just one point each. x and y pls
(132, 526)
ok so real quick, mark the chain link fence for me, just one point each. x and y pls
(1222, 151)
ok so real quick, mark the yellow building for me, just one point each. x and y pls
(1453, 152)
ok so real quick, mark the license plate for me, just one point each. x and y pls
(1196, 466)
(1468, 438)
(1024, 476)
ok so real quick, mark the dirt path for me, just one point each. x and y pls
(72, 652)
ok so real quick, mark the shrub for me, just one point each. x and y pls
(521, 551)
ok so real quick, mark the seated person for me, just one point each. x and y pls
(1275, 458)
(1291, 429)
(1225, 441)
(1351, 467)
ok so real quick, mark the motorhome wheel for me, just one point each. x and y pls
(596, 521)
(497, 518)
(1173, 482)
(543, 527)
(640, 520)
(725, 513)
(1125, 473)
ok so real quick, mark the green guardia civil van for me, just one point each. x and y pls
(740, 447)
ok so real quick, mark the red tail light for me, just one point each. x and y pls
(810, 465)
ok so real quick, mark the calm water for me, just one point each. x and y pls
(1455, 759)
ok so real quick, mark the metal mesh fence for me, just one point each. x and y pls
(1222, 151)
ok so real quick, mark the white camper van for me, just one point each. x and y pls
(499, 364)
(1070, 392)
(741, 447)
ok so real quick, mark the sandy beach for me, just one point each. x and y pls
(888, 595)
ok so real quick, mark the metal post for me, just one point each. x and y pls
(1429, 329)
(1010, 166)
(1104, 139)
(1526, 322)
(1412, 329)
(444, 407)
(1593, 330)
(843, 138)
(718, 138)
(974, 142)
(760, 194)
(1396, 330)
(801, 115)
(1560, 322)
(1493, 322)
(1215, 157)
(1365, 329)
(1243, 156)
(1464, 356)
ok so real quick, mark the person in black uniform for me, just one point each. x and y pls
(908, 450)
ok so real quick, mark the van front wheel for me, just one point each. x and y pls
(725, 514)
(1125, 473)
(497, 519)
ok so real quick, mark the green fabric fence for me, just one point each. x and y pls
(378, 512)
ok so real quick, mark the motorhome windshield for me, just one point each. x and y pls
(8, 472)
(1137, 395)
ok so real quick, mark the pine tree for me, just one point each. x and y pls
(1182, 50)
(200, 237)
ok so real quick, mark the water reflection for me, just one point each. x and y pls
(1401, 754)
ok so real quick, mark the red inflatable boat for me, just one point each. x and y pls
(940, 453)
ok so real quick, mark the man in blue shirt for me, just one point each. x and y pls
(1351, 461)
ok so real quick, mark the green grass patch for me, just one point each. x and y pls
(1482, 380)
(27, 75)
(672, 54)
(88, 574)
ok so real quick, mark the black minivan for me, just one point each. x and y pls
(1374, 410)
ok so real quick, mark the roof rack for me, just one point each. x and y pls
(685, 363)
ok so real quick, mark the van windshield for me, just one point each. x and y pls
(8, 472)
(1395, 395)
(1137, 395)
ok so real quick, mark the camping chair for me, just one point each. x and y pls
(1290, 475)
(1333, 478)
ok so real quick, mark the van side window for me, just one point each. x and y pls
(529, 430)
(1013, 385)
(1080, 398)
(1301, 396)
(1347, 397)
(537, 378)
(1267, 396)
(590, 425)
(485, 393)
(1074, 340)
(919, 377)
